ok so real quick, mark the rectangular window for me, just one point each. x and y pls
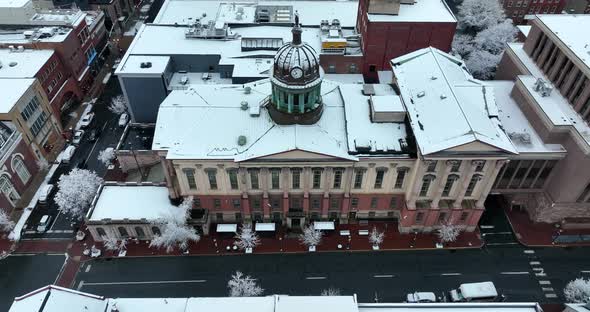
(256, 204)
(295, 204)
(190, 178)
(331, 69)
(316, 203)
(374, 202)
(372, 214)
(317, 178)
(379, 178)
(30, 108)
(333, 215)
(276, 217)
(219, 217)
(197, 203)
(354, 202)
(236, 203)
(472, 184)
(217, 203)
(253, 178)
(442, 217)
(238, 216)
(212, 176)
(275, 175)
(393, 203)
(419, 217)
(464, 216)
(335, 203)
(275, 203)
(337, 178)
(431, 166)
(425, 186)
(358, 178)
(399, 180)
(480, 165)
(38, 124)
(296, 178)
(448, 186)
(257, 216)
(233, 178)
(352, 68)
(456, 165)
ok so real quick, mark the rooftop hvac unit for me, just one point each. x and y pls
(28, 33)
(145, 65)
(20, 49)
(184, 80)
(542, 87)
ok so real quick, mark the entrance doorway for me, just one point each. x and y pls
(295, 223)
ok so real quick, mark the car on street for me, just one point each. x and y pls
(44, 223)
(45, 192)
(67, 154)
(86, 120)
(116, 64)
(78, 135)
(94, 134)
(483, 291)
(421, 297)
(123, 120)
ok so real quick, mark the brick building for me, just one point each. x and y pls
(520, 10)
(393, 28)
(548, 77)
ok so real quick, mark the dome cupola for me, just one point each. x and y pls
(296, 82)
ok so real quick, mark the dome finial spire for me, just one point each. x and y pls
(296, 31)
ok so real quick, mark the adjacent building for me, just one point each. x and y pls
(548, 79)
(520, 11)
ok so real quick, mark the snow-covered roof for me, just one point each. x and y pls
(444, 307)
(249, 67)
(12, 89)
(243, 12)
(148, 304)
(13, 3)
(524, 29)
(151, 64)
(346, 78)
(361, 132)
(567, 28)
(118, 202)
(22, 64)
(556, 107)
(522, 134)
(447, 107)
(56, 299)
(177, 82)
(212, 115)
(424, 11)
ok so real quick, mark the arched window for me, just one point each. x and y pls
(123, 232)
(156, 230)
(101, 232)
(18, 166)
(8, 189)
(139, 231)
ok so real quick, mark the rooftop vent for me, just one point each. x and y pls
(543, 87)
(244, 105)
(145, 65)
(12, 64)
(368, 89)
(520, 137)
(242, 140)
(247, 90)
(443, 96)
(184, 80)
(421, 94)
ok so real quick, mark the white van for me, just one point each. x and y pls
(484, 291)
(67, 154)
(43, 223)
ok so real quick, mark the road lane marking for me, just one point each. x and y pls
(538, 269)
(529, 251)
(88, 268)
(535, 263)
(486, 226)
(515, 273)
(540, 274)
(545, 282)
(547, 288)
(500, 244)
(145, 282)
(450, 274)
(316, 278)
(587, 272)
(383, 276)
(551, 295)
(497, 233)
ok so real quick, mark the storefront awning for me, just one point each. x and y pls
(227, 228)
(325, 225)
(264, 227)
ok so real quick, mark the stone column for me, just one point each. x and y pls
(559, 63)
(306, 176)
(243, 180)
(441, 183)
(327, 181)
(582, 99)
(464, 183)
(491, 178)
(170, 184)
(263, 183)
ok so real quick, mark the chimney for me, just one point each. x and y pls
(388, 7)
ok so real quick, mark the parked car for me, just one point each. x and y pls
(78, 135)
(123, 120)
(94, 134)
(67, 154)
(44, 223)
(86, 120)
(421, 297)
(45, 192)
(484, 291)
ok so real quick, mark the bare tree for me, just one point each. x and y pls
(110, 243)
(5, 223)
(311, 236)
(76, 191)
(241, 285)
(247, 238)
(118, 105)
(376, 237)
(331, 292)
(577, 291)
(174, 229)
(448, 233)
(106, 156)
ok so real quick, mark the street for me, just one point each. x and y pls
(383, 276)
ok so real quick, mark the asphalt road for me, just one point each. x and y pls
(22, 274)
(387, 276)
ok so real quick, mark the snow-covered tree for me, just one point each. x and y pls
(118, 105)
(577, 291)
(76, 191)
(310, 236)
(247, 238)
(448, 233)
(241, 285)
(462, 45)
(106, 156)
(376, 237)
(494, 38)
(5, 223)
(476, 15)
(42, 164)
(110, 243)
(331, 292)
(174, 229)
(482, 64)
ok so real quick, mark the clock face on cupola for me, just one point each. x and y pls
(296, 82)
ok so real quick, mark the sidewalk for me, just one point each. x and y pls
(280, 242)
(533, 234)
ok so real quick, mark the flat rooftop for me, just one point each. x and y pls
(12, 89)
(425, 11)
(22, 64)
(568, 28)
(137, 137)
(118, 202)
